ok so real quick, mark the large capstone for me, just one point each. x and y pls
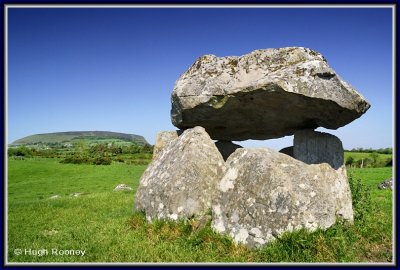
(264, 94)
(264, 193)
(182, 179)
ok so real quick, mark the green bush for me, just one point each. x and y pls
(349, 161)
(76, 159)
(102, 161)
(21, 151)
(120, 159)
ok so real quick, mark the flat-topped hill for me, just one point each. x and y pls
(71, 136)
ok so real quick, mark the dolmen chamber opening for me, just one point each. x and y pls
(254, 195)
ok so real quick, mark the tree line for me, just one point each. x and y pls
(387, 150)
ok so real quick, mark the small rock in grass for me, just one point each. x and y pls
(122, 187)
(55, 197)
(387, 184)
(50, 232)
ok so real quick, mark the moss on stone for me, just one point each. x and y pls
(218, 102)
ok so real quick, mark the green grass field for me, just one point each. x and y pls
(382, 159)
(102, 223)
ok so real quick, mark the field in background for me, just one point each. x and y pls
(103, 223)
(368, 160)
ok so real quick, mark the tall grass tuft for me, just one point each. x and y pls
(362, 200)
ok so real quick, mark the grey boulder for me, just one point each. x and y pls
(182, 179)
(264, 94)
(163, 138)
(387, 184)
(313, 147)
(265, 193)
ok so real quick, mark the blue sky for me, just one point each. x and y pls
(114, 69)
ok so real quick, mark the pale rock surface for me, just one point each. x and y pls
(264, 94)
(182, 179)
(265, 193)
(313, 147)
(121, 187)
(163, 138)
(387, 184)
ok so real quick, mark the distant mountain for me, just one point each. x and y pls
(73, 136)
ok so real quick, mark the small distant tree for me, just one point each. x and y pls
(98, 149)
(368, 162)
(360, 163)
(80, 147)
(374, 158)
(133, 149)
(349, 161)
(115, 150)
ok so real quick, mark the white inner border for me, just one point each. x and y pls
(5, 38)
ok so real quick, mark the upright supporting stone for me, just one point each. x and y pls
(226, 148)
(287, 150)
(164, 138)
(182, 179)
(314, 147)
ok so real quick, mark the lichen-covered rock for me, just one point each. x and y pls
(264, 94)
(314, 147)
(226, 148)
(342, 193)
(265, 193)
(182, 179)
(163, 138)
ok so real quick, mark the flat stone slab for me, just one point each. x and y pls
(264, 94)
